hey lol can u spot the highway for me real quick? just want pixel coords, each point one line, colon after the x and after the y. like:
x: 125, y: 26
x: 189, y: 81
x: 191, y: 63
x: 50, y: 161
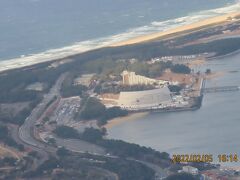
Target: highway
x: 26, y: 135
x: 26, y: 131
x: 160, y: 173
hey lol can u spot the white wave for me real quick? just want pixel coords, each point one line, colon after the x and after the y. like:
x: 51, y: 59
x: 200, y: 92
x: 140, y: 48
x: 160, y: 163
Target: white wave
x: 79, y: 47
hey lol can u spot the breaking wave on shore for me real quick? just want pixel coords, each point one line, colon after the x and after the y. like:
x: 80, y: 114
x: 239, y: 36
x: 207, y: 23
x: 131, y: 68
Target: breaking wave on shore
x: 79, y: 47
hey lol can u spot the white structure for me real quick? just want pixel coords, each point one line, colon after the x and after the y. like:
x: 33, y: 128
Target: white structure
x: 84, y: 79
x: 149, y: 99
x: 190, y: 170
x: 130, y: 78
x: 36, y: 87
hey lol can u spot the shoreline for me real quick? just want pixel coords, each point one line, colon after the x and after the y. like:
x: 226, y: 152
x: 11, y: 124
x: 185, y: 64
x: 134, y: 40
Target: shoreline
x: 131, y: 117
x: 223, y: 56
x: 140, y: 114
x: 181, y: 29
x: 44, y: 58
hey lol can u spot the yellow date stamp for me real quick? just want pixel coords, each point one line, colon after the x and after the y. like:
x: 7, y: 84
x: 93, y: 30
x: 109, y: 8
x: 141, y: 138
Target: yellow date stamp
x: 190, y: 158
x: 205, y: 158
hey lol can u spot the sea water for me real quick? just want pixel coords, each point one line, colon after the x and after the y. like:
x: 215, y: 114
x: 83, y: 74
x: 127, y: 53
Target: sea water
x: 39, y: 30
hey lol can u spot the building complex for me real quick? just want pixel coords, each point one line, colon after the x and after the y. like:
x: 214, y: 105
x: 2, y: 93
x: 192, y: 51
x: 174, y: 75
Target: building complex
x: 130, y: 78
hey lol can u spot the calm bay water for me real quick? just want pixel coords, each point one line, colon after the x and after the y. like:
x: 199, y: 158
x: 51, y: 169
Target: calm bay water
x: 213, y: 129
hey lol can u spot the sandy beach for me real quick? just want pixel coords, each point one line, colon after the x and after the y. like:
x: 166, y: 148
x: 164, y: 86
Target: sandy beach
x: 130, y: 117
x: 66, y: 52
x: 190, y: 27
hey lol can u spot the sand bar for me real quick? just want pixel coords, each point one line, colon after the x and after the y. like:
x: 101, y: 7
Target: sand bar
x: 193, y: 26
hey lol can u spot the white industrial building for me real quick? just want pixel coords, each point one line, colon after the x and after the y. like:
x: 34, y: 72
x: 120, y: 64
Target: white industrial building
x: 140, y: 100
x: 130, y: 78
x: 148, y: 99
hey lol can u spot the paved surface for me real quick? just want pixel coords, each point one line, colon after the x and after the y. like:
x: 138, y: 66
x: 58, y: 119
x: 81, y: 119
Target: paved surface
x: 43, y: 154
x: 108, y: 174
x: 76, y: 145
x: 25, y: 134
x: 26, y: 131
x: 160, y: 173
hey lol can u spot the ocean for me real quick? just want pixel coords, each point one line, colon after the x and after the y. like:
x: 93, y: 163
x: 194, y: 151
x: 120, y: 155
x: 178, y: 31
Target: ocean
x: 40, y: 30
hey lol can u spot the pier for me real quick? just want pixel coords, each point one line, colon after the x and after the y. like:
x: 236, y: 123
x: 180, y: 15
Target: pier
x: 220, y: 89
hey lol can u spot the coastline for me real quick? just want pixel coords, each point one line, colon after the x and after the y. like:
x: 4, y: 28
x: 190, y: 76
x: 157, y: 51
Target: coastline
x: 223, y: 56
x: 207, y: 116
x: 130, y: 117
x: 181, y: 29
x: 43, y: 58
x: 140, y: 114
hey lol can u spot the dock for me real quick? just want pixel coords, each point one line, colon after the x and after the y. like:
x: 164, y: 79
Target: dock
x: 221, y: 89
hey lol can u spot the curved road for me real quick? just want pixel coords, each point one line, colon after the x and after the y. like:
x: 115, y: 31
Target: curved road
x: 26, y: 135
x: 26, y: 131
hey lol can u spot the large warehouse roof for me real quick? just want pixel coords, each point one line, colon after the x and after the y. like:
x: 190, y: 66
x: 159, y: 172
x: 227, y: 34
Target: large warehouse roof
x: 148, y: 98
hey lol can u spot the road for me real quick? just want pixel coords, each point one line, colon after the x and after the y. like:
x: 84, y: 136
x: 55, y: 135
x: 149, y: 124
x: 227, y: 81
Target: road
x: 108, y: 174
x: 80, y: 146
x: 26, y: 135
x: 26, y: 131
x: 160, y: 173
x: 43, y: 154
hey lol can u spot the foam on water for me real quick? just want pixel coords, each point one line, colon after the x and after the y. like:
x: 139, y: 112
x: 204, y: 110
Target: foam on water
x: 79, y: 47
